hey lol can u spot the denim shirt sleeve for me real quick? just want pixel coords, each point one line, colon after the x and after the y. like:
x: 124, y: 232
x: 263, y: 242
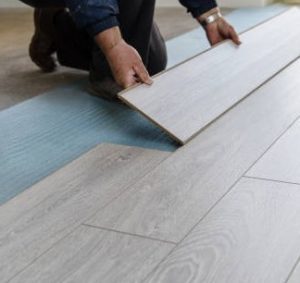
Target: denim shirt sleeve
x: 198, y: 7
x: 94, y: 15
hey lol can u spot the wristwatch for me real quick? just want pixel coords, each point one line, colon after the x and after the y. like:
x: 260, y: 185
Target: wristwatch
x: 210, y: 19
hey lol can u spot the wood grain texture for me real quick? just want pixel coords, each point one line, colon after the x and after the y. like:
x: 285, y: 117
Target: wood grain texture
x: 186, y: 98
x: 171, y: 199
x: 91, y: 255
x: 251, y: 236
x: 36, y: 219
x: 282, y: 161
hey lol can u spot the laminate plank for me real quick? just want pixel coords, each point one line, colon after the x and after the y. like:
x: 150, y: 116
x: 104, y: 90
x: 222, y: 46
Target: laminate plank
x: 172, y: 198
x: 91, y: 255
x: 187, y: 98
x: 36, y: 219
x: 251, y: 236
x: 281, y: 162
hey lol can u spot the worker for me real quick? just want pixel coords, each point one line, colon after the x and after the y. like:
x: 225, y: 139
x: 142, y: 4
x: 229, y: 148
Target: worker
x: 117, y: 41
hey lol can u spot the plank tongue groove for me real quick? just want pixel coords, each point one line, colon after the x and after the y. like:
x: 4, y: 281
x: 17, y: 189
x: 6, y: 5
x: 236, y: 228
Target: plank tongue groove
x: 188, y: 97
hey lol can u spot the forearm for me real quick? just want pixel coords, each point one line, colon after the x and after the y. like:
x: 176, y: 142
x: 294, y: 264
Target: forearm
x: 108, y: 39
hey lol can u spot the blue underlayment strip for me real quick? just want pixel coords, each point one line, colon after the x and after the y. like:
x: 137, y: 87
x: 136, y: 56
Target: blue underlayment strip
x: 41, y: 135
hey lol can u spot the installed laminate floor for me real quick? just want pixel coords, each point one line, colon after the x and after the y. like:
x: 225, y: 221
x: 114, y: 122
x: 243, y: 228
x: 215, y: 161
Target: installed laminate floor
x: 253, y: 235
x: 92, y: 255
x: 206, y: 86
x: 44, y: 214
x: 170, y: 200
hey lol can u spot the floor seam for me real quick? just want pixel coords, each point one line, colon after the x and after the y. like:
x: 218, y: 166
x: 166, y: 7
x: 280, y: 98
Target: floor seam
x: 128, y: 234
x: 271, y: 180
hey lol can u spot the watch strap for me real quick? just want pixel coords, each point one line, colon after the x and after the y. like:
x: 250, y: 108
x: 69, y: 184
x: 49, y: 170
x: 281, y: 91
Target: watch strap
x: 211, y: 19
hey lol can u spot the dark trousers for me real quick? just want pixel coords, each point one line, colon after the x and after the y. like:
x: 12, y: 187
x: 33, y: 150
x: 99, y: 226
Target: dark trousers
x: 76, y: 49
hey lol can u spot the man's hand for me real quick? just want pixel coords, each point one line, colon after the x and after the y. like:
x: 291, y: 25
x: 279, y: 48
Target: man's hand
x: 125, y: 62
x: 219, y: 30
x: 127, y: 66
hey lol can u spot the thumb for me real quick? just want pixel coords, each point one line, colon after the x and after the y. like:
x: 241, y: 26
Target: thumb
x: 142, y: 73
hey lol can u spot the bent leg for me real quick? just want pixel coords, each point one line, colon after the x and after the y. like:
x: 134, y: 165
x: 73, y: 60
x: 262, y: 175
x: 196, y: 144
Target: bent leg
x: 73, y: 46
x: 55, y: 31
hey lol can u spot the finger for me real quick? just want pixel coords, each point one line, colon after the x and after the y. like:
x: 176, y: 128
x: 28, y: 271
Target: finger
x: 142, y: 73
x: 129, y: 79
x: 234, y: 36
x: 215, y: 38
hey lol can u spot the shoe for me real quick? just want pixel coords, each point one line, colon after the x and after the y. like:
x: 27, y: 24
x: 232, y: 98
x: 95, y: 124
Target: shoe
x: 42, y: 46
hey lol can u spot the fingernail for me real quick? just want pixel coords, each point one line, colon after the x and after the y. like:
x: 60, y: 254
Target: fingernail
x: 149, y: 82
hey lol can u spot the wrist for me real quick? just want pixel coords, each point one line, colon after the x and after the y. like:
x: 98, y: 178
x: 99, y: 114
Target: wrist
x: 209, y: 17
x: 207, y: 14
x: 109, y: 39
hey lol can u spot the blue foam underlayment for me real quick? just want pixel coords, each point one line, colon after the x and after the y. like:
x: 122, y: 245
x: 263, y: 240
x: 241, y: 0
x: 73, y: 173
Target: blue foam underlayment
x: 41, y: 135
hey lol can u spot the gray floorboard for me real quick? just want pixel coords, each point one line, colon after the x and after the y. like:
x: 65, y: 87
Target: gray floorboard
x: 91, y: 255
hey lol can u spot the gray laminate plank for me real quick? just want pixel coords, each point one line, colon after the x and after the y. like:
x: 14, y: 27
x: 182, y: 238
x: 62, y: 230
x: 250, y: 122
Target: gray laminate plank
x: 91, y: 255
x: 33, y: 221
x: 171, y: 199
x: 186, y: 98
x: 282, y: 161
x: 251, y: 236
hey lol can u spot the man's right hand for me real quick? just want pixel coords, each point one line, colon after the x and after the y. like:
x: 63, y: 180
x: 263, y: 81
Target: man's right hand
x: 125, y: 62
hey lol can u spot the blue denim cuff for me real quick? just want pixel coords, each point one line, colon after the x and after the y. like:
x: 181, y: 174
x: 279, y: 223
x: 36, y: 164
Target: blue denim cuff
x: 102, y: 25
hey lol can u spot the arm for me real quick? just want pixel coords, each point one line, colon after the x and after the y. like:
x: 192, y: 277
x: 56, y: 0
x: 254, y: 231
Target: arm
x: 99, y: 18
x: 217, y: 31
